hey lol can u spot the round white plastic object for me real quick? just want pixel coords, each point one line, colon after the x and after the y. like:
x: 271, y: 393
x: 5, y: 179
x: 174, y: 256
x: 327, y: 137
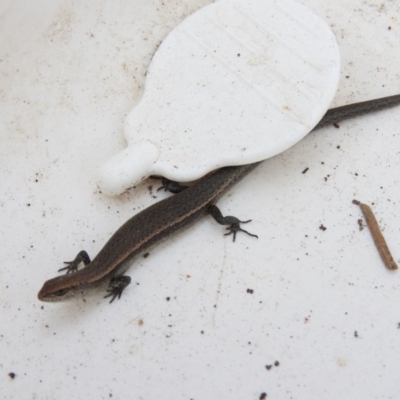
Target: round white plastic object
x: 237, y: 82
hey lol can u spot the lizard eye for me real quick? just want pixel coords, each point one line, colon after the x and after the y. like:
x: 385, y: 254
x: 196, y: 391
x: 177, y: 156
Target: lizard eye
x: 60, y: 292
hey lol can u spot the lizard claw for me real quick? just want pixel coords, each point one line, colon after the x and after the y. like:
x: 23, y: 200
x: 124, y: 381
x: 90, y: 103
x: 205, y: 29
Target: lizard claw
x: 117, y: 286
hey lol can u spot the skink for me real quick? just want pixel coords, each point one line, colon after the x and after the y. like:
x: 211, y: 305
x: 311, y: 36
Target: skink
x: 167, y: 217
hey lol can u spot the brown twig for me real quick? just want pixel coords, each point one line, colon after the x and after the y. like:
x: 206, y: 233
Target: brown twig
x: 376, y: 233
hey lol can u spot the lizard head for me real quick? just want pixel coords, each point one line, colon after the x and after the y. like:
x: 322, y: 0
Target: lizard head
x: 58, y: 289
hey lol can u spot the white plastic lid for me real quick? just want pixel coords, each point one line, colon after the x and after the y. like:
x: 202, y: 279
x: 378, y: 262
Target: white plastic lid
x: 235, y: 83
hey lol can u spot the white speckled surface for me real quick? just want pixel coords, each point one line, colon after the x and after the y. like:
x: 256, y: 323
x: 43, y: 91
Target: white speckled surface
x: 312, y: 289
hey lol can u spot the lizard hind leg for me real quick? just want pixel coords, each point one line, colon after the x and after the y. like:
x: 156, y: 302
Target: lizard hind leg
x: 233, y: 222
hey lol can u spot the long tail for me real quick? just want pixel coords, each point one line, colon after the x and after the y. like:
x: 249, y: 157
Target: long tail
x: 353, y: 110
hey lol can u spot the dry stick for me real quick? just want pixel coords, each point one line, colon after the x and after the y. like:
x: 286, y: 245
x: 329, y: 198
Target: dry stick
x: 376, y: 233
